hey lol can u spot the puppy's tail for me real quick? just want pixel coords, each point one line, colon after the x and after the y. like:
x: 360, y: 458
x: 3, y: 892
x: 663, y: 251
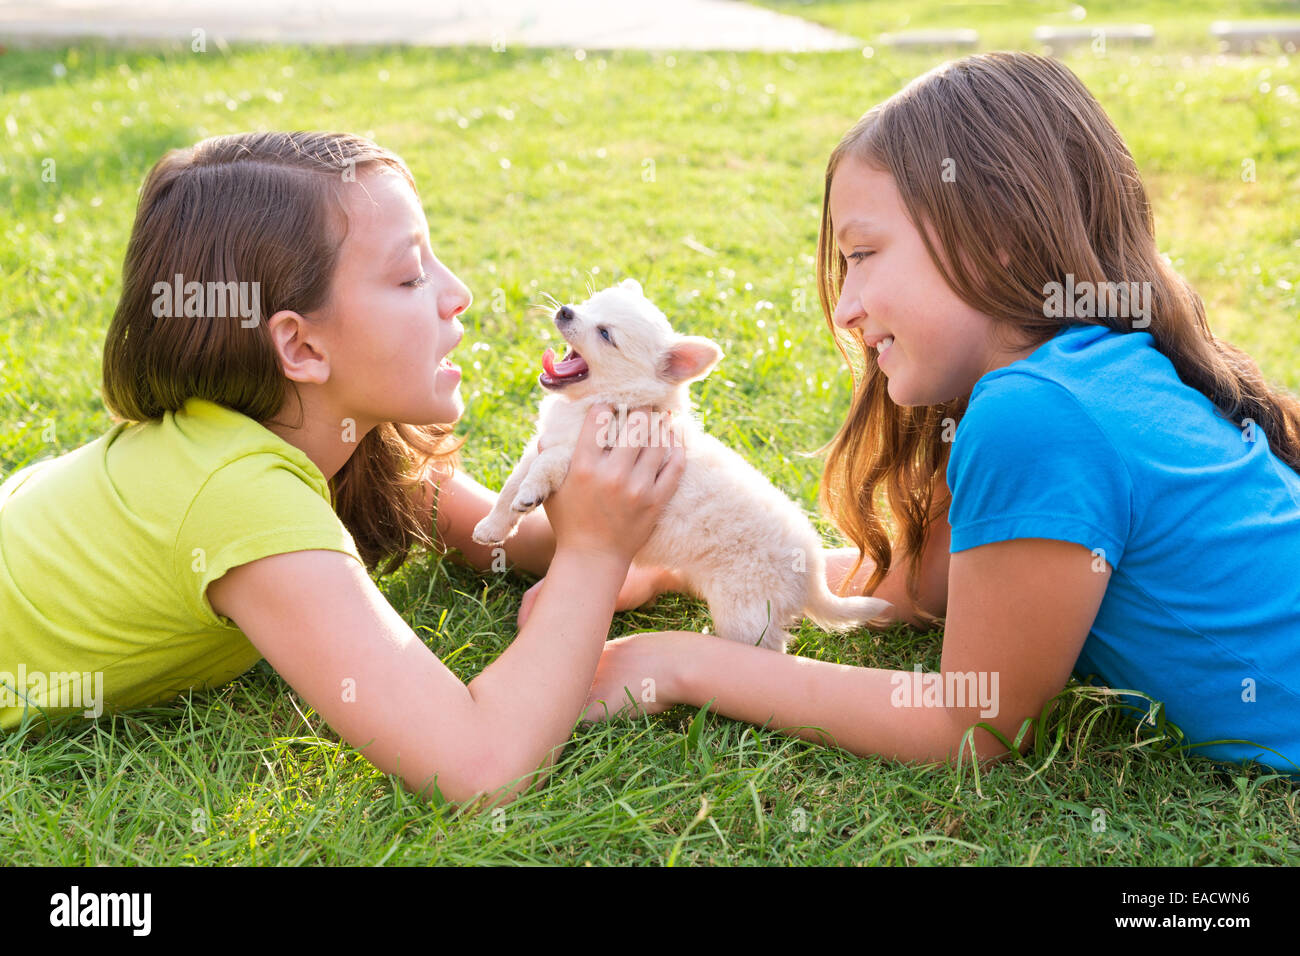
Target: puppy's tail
x: 833, y: 613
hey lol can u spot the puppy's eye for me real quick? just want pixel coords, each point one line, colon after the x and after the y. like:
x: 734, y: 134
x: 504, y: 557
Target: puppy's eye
x: 604, y: 334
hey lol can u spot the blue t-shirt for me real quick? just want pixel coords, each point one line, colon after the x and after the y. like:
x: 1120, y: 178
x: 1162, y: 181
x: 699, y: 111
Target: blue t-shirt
x: 1093, y: 438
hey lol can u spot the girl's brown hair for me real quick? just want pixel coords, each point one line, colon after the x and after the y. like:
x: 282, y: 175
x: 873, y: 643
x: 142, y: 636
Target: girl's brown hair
x: 265, y: 208
x: 1039, y: 185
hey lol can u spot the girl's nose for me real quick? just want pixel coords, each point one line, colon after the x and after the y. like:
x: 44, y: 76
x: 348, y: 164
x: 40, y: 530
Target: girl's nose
x: 848, y: 310
x: 454, y: 298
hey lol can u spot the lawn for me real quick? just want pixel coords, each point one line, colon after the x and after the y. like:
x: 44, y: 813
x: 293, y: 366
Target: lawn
x: 552, y: 173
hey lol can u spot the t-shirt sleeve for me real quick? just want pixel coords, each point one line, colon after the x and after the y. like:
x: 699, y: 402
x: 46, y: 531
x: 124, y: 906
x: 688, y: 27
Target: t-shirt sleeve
x: 253, y: 507
x: 1028, y: 461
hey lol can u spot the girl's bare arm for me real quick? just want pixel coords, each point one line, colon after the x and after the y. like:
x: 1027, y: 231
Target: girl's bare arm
x: 1018, y: 614
x: 324, y: 626
x: 321, y: 622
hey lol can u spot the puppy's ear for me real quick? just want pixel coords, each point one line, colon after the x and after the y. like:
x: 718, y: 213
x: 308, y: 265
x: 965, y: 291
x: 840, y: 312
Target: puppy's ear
x: 688, y: 358
x: 633, y: 285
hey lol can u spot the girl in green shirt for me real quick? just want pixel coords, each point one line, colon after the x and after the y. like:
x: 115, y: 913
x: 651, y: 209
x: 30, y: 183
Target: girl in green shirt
x: 282, y: 338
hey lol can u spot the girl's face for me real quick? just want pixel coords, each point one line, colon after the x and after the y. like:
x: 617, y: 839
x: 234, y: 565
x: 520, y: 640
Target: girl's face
x: 941, y: 346
x: 392, y: 311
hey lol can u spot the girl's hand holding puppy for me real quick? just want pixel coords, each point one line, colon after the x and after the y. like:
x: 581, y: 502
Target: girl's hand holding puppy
x: 612, y: 495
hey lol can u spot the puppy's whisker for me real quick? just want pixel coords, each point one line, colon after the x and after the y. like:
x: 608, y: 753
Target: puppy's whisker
x: 548, y: 306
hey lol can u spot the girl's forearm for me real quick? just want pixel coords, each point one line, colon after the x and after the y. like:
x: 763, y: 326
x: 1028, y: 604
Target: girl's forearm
x: 854, y: 708
x: 530, y: 696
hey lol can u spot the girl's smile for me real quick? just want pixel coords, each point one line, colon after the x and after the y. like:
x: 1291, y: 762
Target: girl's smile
x: 881, y: 344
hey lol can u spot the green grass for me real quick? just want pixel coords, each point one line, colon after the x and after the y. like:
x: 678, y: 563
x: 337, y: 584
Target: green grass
x: 1183, y: 26
x: 738, y: 144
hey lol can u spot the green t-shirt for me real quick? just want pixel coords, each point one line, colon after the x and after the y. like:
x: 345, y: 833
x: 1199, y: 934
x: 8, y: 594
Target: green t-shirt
x: 106, y: 553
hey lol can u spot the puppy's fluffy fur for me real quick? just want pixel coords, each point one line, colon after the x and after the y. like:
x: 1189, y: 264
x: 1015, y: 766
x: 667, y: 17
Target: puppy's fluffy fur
x: 736, y: 540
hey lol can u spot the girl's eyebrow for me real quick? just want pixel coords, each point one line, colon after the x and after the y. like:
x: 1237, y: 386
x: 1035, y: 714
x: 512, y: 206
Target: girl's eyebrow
x: 412, y: 240
x: 865, y: 225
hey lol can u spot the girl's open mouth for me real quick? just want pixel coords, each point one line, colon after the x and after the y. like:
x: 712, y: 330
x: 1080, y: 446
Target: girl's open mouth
x: 572, y: 368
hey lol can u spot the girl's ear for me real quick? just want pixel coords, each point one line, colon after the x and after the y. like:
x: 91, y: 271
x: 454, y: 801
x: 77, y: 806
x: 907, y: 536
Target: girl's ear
x: 633, y: 285
x: 688, y: 358
x: 294, y: 340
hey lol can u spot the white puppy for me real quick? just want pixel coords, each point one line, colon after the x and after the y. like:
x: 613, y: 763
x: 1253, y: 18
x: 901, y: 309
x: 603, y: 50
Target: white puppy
x: 736, y: 541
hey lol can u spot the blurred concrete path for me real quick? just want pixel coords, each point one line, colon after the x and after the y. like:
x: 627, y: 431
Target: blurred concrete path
x: 584, y: 24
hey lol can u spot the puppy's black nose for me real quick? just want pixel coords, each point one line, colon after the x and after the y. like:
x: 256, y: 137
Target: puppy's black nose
x: 564, y: 314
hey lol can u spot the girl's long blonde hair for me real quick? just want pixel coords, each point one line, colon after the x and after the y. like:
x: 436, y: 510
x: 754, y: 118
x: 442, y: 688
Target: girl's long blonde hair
x: 265, y: 208
x: 1037, y: 170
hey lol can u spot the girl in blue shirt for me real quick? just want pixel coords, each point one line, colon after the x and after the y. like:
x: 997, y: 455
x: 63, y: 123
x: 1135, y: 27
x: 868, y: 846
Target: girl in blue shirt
x: 1084, y: 479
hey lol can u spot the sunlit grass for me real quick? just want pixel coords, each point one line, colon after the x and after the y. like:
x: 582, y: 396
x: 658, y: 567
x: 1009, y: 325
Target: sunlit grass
x: 546, y: 174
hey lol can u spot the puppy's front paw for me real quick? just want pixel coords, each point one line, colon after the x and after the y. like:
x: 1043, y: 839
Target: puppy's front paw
x: 530, y: 496
x: 492, y: 530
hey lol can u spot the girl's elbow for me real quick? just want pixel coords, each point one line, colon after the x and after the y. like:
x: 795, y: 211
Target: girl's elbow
x: 496, y: 774
x: 472, y: 789
x: 464, y: 774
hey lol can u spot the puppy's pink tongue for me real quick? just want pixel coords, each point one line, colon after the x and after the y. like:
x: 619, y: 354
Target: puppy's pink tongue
x: 569, y: 366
